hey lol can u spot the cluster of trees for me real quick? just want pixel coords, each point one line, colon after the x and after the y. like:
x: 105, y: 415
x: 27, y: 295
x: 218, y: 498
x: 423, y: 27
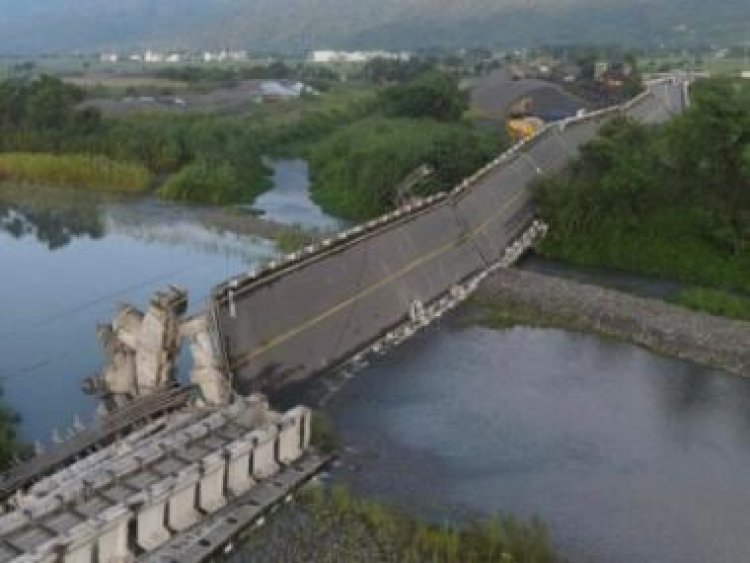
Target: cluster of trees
x: 42, y: 112
x: 671, y: 201
x: 356, y: 171
x: 391, y: 71
x: 432, y: 95
x: 225, y: 75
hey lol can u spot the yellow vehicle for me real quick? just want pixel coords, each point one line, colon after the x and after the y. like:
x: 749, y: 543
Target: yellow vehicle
x: 520, y: 128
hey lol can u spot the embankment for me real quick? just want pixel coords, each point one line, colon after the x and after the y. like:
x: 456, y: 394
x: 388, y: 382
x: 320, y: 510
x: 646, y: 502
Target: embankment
x: 516, y: 297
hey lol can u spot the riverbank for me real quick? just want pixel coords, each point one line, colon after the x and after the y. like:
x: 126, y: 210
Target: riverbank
x: 332, y: 524
x: 513, y: 297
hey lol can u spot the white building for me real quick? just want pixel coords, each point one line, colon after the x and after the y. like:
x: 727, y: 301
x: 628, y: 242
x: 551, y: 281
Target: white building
x: 153, y: 57
x: 355, y: 56
x: 109, y: 57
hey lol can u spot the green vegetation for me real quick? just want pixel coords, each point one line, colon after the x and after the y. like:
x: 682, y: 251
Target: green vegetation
x: 75, y: 171
x: 356, y: 171
x: 207, y: 158
x: 10, y: 446
x: 293, y: 239
x: 324, y: 436
x: 213, y: 183
x: 672, y: 201
x: 433, y: 95
x: 333, y: 525
x: 715, y: 302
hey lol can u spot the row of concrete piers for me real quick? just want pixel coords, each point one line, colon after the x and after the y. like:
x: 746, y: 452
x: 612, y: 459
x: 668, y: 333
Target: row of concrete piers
x: 163, y: 487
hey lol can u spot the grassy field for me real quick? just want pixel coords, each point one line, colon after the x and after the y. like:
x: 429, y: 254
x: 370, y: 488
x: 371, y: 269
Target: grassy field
x: 75, y: 171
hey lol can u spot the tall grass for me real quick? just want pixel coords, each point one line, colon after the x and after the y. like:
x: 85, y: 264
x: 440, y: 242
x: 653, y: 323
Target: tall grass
x: 75, y: 171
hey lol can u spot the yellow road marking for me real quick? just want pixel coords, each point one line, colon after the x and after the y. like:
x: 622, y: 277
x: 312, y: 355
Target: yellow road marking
x: 273, y: 343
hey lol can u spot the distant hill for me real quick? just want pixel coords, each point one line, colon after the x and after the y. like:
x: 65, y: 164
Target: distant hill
x: 28, y: 26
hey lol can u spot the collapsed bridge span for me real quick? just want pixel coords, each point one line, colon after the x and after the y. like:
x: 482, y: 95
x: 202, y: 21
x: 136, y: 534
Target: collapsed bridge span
x: 320, y: 307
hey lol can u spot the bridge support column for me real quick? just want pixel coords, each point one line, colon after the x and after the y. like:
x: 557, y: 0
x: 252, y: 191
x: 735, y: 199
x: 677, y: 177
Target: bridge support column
x: 151, y: 531
x: 264, y: 453
x: 211, y: 487
x: 292, y: 432
x: 79, y: 544
x: 239, y: 479
x: 113, y: 535
x: 183, y: 511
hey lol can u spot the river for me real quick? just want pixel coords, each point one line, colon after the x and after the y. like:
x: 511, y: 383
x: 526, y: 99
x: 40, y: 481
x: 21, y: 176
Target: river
x: 627, y: 456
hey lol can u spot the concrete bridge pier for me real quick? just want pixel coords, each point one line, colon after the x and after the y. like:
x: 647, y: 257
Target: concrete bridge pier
x: 239, y: 466
x: 79, y: 543
x: 264, y: 453
x: 182, y: 505
x: 113, y: 535
x: 151, y: 531
x: 293, y: 435
x: 211, y: 486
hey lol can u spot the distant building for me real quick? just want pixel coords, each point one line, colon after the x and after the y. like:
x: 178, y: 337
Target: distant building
x: 224, y: 55
x: 745, y: 74
x: 275, y: 91
x: 355, y: 56
x: 600, y: 69
x: 174, y: 58
x: 109, y: 57
x: 153, y: 57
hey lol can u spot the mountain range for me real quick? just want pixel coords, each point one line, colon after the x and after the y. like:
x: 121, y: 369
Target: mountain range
x: 34, y: 26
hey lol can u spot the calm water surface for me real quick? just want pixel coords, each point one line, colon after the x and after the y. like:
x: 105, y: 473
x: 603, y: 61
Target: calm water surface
x: 67, y: 261
x: 289, y: 202
x: 625, y: 455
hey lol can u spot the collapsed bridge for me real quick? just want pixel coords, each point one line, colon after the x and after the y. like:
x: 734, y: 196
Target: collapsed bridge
x: 167, y: 476
x: 322, y: 306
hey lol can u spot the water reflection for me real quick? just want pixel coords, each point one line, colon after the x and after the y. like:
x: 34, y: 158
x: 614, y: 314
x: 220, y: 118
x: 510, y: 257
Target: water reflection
x: 53, y: 227
x: 68, y: 259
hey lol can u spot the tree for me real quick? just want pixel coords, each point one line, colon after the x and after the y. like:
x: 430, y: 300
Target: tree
x: 432, y: 95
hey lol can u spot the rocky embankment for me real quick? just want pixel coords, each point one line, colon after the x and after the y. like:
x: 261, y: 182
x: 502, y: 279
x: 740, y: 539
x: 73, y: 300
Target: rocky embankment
x: 518, y: 297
